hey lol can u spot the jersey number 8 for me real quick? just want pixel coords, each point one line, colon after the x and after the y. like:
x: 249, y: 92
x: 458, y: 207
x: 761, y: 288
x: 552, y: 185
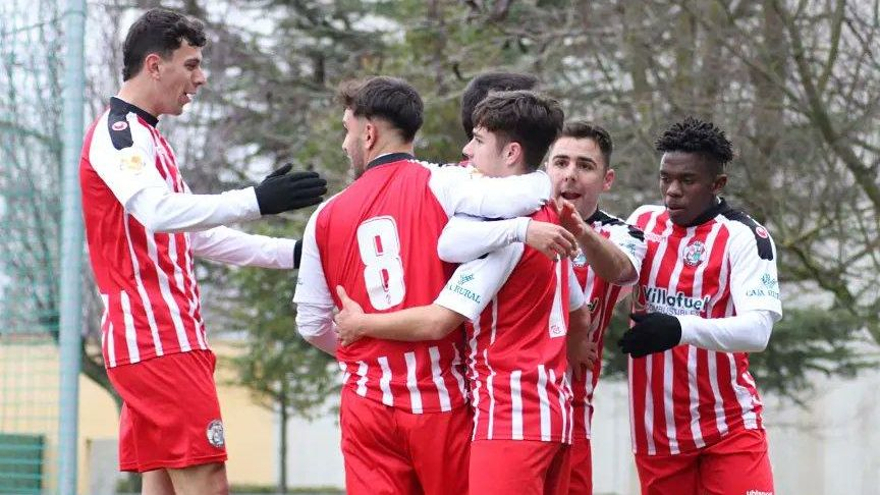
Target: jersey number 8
x: 379, y: 245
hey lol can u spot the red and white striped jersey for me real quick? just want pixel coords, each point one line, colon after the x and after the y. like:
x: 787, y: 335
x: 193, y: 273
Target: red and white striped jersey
x: 687, y: 398
x: 516, y: 345
x: 378, y: 239
x: 146, y: 280
x: 601, y: 297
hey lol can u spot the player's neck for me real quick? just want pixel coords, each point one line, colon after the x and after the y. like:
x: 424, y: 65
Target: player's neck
x: 389, y: 148
x: 133, y: 91
x: 587, y: 212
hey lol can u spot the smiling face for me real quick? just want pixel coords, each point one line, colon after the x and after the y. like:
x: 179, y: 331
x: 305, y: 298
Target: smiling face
x: 179, y: 76
x: 579, y: 173
x: 689, y: 185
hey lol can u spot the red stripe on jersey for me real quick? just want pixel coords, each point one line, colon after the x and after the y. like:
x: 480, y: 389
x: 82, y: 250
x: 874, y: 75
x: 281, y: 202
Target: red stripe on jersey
x: 145, y: 279
x: 394, y: 202
x: 687, y: 398
x: 520, y: 386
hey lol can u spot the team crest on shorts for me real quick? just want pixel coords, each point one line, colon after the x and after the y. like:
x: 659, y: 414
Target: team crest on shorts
x: 215, y: 434
x: 693, y: 253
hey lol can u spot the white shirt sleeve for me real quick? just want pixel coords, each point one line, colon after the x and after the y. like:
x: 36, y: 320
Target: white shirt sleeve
x: 239, y: 248
x: 748, y: 332
x: 466, y: 238
x: 314, y: 303
x: 474, y: 284
x: 753, y: 279
x: 463, y: 190
x: 131, y: 175
x: 631, y: 241
x: 161, y: 210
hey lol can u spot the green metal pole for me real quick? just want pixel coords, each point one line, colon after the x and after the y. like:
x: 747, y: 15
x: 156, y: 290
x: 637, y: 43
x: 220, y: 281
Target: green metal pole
x: 71, y: 248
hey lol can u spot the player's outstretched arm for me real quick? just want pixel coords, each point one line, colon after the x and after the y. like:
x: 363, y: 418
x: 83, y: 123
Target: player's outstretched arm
x: 467, y: 238
x: 657, y: 332
x: 161, y: 210
x: 430, y: 322
x: 608, y: 260
x: 460, y: 190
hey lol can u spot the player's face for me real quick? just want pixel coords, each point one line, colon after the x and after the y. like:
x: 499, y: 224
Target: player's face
x: 578, y: 172
x: 689, y: 186
x: 484, y: 153
x: 181, y: 76
x: 353, y: 144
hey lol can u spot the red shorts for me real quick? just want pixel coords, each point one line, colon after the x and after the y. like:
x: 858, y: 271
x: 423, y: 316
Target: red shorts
x: 581, y: 482
x: 524, y: 467
x: 170, y: 412
x: 392, y: 451
x: 736, y: 465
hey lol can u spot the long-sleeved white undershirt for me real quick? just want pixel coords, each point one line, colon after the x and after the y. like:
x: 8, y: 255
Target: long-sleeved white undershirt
x: 748, y: 332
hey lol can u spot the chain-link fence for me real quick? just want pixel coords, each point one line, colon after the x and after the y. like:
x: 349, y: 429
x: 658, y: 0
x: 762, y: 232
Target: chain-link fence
x: 31, y: 47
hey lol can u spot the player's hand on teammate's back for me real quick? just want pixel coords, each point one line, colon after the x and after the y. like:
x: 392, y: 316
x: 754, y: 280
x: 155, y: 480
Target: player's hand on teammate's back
x: 653, y: 332
x: 570, y: 218
x: 281, y: 191
x: 348, y: 318
x: 552, y: 240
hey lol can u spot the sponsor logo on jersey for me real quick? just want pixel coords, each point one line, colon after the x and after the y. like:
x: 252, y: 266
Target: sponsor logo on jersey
x: 215, y: 434
x: 458, y: 288
x: 694, y: 252
x: 770, y: 287
x: 629, y: 247
x: 661, y: 301
x: 131, y: 161
x: 119, y: 126
x: 556, y: 330
x: 762, y: 232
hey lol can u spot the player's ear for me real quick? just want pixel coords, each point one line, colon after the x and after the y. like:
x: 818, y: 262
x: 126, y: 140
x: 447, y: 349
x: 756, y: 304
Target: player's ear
x: 151, y: 65
x: 513, y: 151
x: 608, y: 180
x: 719, y: 183
x: 371, y: 134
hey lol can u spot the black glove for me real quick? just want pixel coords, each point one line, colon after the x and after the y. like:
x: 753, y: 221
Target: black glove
x: 653, y: 332
x: 281, y: 191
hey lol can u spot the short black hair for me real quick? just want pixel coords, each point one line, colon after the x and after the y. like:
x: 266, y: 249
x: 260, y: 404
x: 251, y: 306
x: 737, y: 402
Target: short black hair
x: 389, y: 98
x: 158, y: 31
x: 584, y: 129
x: 525, y: 117
x: 480, y: 86
x: 693, y: 135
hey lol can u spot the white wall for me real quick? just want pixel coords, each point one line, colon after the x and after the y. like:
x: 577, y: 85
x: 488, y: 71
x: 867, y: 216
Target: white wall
x: 830, y: 448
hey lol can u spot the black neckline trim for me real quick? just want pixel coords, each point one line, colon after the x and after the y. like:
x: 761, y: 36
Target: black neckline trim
x: 597, y: 216
x: 710, y: 213
x: 389, y: 158
x: 120, y: 105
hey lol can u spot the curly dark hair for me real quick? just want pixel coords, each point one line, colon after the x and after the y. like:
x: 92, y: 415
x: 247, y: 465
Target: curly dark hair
x: 697, y: 136
x: 158, y: 31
